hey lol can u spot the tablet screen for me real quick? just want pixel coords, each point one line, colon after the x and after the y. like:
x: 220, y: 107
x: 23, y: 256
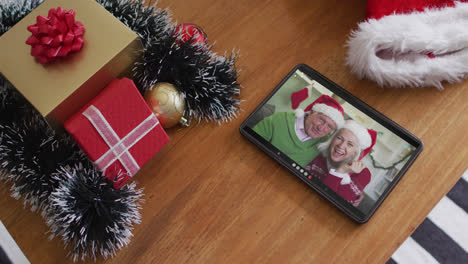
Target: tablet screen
x: 333, y: 141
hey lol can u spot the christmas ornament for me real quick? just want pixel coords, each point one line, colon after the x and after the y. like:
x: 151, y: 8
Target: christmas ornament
x: 411, y: 43
x: 55, y: 35
x: 192, y: 33
x: 166, y: 103
x: 208, y: 82
x: 89, y: 214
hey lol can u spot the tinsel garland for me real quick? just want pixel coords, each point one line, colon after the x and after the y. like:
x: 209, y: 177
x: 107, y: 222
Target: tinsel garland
x: 50, y: 172
x: 393, y: 166
x: 31, y: 153
x: 207, y: 81
x: 13, y: 11
x: 149, y: 22
x: 87, y: 212
x: 13, y: 106
x: 41, y: 167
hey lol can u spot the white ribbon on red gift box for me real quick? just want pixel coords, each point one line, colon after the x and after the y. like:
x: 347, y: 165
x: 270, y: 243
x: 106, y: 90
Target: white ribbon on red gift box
x: 118, y: 148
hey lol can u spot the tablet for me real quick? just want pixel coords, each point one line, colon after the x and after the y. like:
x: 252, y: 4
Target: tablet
x: 335, y: 143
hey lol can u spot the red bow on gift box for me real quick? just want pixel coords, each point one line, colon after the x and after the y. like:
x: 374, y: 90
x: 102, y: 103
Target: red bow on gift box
x: 56, y: 35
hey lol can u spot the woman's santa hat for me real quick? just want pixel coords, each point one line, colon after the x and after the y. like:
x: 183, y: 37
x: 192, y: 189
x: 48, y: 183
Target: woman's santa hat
x: 411, y: 42
x: 366, y: 137
x: 324, y: 104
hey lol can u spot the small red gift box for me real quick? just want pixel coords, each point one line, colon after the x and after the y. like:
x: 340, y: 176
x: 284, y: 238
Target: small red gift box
x: 118, y: 131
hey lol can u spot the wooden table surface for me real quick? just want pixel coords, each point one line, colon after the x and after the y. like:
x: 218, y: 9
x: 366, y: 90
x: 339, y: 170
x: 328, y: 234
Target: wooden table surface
x: 213, y: 197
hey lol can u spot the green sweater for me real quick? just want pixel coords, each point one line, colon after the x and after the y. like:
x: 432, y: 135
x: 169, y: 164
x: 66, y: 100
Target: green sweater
x: 278, y: 129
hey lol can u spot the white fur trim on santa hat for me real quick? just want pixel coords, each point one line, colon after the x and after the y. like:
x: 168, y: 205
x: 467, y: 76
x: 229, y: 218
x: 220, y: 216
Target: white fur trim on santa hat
x: 360, y: 132
x: 299, y: 113
x: 331, y: 112
x: 442, y: 32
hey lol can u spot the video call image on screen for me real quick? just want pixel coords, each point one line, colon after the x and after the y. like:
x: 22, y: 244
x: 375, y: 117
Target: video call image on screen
x: 333, y: 141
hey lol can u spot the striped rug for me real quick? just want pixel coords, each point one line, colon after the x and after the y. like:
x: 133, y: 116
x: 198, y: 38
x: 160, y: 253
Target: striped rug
x: 443, y: 236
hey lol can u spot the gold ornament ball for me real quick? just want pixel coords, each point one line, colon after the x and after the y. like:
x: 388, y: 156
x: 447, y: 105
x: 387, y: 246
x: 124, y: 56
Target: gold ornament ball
x: 166, y: 102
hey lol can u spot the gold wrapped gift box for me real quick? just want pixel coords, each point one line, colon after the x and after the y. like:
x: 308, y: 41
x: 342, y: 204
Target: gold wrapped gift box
x: 61, y: 88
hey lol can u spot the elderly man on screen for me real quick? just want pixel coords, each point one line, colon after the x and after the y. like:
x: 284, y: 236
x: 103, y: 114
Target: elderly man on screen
x: 297, y: 134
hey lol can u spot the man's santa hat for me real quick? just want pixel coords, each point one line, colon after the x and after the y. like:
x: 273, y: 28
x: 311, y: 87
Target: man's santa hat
x: 324, y: 104
x: 366, y: 137
x: 411, y: 42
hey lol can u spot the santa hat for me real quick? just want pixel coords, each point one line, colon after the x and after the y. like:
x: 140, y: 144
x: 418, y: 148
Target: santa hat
x: 366, y: 137
x: 324, y: 104
x: 411, y: 42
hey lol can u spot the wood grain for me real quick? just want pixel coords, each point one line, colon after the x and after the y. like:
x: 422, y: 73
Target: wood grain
x: 212, y: 197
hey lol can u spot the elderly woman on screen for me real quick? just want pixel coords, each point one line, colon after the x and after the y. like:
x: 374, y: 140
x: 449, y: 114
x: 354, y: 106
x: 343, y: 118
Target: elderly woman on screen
x: 339, y: 166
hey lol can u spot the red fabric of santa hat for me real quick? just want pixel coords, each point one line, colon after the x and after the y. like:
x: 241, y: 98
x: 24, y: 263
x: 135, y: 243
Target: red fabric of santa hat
x: 411, y: 43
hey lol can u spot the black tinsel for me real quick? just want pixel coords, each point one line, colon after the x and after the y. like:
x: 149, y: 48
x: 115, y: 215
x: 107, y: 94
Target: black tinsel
x: 13, y: 106
x: 148, y: 22
x: 13, y: 11
x: 90, y: 215
x: 30, y: 152
x: 207, y: 81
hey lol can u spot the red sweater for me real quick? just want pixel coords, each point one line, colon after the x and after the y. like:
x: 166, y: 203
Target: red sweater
x: 318, y: 168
